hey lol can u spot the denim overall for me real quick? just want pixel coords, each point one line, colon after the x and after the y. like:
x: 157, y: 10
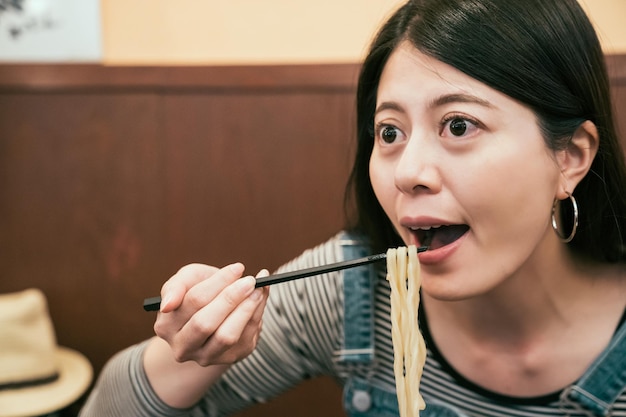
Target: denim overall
x: 593, y: 394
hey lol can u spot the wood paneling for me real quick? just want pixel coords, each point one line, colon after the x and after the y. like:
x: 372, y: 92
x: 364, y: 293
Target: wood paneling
x: 275, y: 78
x: 111, y: 178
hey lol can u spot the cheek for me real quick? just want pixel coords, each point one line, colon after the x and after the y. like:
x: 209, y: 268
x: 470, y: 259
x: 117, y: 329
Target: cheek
x: 515, y: 196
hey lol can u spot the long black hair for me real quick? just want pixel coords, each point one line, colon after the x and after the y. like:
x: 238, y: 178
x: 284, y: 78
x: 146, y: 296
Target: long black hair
x: 543, y: 53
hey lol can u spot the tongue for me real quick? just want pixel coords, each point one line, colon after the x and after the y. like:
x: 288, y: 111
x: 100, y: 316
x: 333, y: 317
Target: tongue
x: 445, y: 235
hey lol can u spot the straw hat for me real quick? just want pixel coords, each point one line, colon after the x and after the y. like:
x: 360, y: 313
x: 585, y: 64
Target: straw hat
x: 36, y: 376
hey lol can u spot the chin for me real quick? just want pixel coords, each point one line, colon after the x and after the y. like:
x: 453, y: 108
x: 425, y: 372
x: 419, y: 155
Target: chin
x: 451, y: 287
x: 443, y: 291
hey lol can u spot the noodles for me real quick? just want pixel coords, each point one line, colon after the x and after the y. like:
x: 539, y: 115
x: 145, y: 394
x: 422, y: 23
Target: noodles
x: 403, y: 274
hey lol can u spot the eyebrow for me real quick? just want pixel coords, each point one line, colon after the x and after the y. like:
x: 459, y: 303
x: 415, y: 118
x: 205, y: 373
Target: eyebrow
x: 459, y: 98
x: 388, y: 105
x: 439, y: 101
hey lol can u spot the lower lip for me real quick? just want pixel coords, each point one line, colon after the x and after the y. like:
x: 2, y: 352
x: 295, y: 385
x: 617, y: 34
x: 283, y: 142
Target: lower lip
x: 438, y: 255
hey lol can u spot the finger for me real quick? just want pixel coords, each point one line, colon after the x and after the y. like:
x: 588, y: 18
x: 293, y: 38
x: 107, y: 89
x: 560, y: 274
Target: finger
x: 245, y: 321
x: 209, y: 318
x: 175, y: 288
x: 237, y: 336
x: 206, y: 291
x: 170, y: 324
x: 265, y: 291
x: 195, y: 285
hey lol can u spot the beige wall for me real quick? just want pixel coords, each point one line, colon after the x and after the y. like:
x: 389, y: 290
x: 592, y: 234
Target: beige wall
x: 271, y: 31
x: 608, y: 18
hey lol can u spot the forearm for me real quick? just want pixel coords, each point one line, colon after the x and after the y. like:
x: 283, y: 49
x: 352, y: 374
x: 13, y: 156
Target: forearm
x: 123, y: 389
x: 179, y: 385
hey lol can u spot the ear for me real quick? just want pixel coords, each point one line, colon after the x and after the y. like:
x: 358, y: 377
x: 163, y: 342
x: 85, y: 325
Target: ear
x: 575, y: 161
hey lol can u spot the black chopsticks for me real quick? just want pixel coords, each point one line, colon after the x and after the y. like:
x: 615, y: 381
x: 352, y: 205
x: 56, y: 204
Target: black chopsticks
x: 154, y: 303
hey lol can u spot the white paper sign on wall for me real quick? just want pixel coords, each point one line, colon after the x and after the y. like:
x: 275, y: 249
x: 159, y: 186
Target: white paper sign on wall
x: 50, y: 31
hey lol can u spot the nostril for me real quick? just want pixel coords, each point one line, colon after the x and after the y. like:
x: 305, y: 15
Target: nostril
x: 418, y: 179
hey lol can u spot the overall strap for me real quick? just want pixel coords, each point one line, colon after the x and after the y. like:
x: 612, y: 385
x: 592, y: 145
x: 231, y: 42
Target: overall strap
x: 358, y: 286
x: 604, y: 381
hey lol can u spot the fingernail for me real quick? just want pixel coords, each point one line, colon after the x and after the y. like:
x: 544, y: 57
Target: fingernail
x: 247, y: 282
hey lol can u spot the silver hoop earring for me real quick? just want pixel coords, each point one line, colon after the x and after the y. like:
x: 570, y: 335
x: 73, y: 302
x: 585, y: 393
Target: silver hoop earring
x: 554, y: 222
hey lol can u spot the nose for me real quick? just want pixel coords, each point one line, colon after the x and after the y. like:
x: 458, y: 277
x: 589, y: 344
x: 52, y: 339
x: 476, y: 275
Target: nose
x: 418, y: 169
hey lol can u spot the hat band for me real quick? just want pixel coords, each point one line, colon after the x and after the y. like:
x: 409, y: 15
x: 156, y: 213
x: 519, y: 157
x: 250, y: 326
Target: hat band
x: 29, y: 383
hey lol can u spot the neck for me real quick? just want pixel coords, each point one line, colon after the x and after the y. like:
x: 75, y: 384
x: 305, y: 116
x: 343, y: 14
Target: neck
x: 523, y: 337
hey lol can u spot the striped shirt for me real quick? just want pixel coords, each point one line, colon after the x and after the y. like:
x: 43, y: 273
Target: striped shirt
x: 302, y: 330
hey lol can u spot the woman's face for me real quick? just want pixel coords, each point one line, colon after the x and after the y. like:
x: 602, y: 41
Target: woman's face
x: 463, y: 166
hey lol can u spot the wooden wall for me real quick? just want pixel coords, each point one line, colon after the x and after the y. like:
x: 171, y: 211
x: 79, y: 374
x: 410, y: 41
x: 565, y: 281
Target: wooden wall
x: 111, y: 178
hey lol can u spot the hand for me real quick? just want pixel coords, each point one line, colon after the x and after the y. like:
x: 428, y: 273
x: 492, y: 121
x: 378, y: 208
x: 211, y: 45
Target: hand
x: 210, y: 315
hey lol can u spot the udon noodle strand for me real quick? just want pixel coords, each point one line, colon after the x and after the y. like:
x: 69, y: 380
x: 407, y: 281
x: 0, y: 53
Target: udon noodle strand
x: 403, y: 274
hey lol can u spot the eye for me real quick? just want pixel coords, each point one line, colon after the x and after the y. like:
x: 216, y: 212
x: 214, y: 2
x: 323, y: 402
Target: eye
x: 459, y: 126
x: 388, y: 133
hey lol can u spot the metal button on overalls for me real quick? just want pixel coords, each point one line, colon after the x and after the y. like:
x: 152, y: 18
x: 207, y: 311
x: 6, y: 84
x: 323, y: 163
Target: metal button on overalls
x: 362, y: 401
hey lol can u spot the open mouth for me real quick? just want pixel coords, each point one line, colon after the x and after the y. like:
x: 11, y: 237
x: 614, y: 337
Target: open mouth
x: 439, y: 236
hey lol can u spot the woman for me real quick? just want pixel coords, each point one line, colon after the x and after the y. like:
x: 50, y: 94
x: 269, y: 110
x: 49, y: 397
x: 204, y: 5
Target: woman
x: 484, y: 130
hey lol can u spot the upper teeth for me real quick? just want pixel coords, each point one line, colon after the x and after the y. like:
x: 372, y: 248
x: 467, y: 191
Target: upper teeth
x: 426, y: 227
